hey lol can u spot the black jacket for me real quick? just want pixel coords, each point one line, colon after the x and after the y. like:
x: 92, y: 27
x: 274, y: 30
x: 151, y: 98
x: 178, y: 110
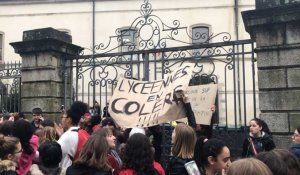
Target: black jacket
x: 85, y: 170
x: 176, y: 166
x: 190, y: 115
x: 263, y: 143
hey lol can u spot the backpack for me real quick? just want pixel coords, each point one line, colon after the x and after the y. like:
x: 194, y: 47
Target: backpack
x: 83, y: 136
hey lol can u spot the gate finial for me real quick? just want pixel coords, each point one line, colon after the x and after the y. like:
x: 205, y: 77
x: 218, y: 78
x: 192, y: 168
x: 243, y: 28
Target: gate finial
x: 146, y: 8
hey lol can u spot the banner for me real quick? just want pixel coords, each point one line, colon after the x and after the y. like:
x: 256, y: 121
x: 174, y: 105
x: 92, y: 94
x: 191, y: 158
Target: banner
x: 143, y: 104
x: 202, y: 97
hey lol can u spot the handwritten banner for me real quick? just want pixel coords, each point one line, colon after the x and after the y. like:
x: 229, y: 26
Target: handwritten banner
x: 143, y: 104
x: 202, y: 97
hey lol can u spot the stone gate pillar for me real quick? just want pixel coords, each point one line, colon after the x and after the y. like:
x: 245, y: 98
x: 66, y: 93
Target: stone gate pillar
x: 275, y: 25
x: 44, y: 52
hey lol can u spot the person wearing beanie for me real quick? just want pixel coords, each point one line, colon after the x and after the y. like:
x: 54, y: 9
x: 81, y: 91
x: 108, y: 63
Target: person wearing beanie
x: 137, y: 130
x: 108, y: 123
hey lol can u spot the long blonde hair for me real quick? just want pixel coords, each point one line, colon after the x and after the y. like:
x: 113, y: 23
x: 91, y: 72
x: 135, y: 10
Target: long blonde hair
x: 185, y: 141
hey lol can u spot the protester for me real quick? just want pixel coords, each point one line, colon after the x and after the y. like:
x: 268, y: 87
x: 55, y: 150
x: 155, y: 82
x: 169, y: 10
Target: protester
x: 6, y: 128
x: 47, y: 122
x: 114, y: 159
x: 37, y: 118
x: 139, y: 157
x: 157, y: 140
x: 24, y: 131
x: 47, y: 134
x: 259, y: 139
x: 95, y: 122
x: 50, y: 155
x: 108, y: 122
x: 86, y: 123
x: 71, y: 141
x: 97, y: 108
x: 295, y: 148
x: 10, y: 153
x: 249, y: 166
x: 183, y: 139
x: 211, y: 156
x: 92, y: 159
x: 280, y: 162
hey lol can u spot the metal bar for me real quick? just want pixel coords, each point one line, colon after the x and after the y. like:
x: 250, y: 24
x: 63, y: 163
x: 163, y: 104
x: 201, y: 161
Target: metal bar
x: 253, y: 79
x: 244, y: 86
x: 19, y: 96
x: 234, y: 88
x: 94, y: 69
x: 162, y: 65
x: 131, y: 67
x: 146, y: 66
x: 138, y: 67
x: 76, y: 77
x: 169, y: 49
x: 226, y: 100
x: 239, y: 86
x: 64, y: 72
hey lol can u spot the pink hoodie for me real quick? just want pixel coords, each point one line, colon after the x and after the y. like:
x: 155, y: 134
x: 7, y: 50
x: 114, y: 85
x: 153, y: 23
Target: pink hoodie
x: 25, y: 161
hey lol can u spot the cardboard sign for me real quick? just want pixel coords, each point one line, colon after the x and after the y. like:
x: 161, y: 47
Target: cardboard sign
x: 202, y: 97
x: 143, y: 104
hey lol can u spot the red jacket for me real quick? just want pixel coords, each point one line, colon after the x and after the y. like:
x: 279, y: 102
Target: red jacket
x: 156, y: 165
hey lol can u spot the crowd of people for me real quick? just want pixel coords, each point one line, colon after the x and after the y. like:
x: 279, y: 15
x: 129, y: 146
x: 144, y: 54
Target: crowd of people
x: 85, y: 142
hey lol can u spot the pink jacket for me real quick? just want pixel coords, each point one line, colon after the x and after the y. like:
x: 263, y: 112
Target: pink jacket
x: 25, y: 161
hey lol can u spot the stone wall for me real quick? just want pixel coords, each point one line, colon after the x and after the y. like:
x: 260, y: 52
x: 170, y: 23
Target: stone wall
x: 275, y: 25
x: 44, y: 55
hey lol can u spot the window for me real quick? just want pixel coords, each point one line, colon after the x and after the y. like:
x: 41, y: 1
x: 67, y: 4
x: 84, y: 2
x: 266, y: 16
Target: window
x: 1, y: 46
x: 200, y: 34
x: 128, y: 40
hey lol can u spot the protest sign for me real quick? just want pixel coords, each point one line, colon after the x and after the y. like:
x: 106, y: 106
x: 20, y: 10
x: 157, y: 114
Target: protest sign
x: 202, y: 97
x: 143, y: 104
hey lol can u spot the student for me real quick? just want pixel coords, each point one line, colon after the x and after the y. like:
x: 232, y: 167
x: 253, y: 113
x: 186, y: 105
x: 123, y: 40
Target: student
x: 37, y: 118
x: 92, y: 159
x: 10, y: 153
x: 113, y: 158
x: 249, y: 166
x: 259, y: 139
x: 50, y: 155
x: 280, y: 162
x: 71, y: 141
x: 139, y: 157
x: 29, y: 141
x: 183, y: 139
x: 211, y: 156
x: 295, y: 148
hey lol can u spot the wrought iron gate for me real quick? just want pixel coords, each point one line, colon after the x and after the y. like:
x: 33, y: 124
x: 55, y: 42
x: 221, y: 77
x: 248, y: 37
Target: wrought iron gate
x: 149, y: 49
x: 10, y: 87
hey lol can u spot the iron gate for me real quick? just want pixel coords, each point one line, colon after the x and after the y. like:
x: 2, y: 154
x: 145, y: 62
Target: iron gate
x: 10, y: 87
x: 149, y: 49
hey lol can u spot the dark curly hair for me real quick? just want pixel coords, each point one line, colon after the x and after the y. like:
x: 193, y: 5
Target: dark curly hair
x: 76, y: 111
x: 138, y: 155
